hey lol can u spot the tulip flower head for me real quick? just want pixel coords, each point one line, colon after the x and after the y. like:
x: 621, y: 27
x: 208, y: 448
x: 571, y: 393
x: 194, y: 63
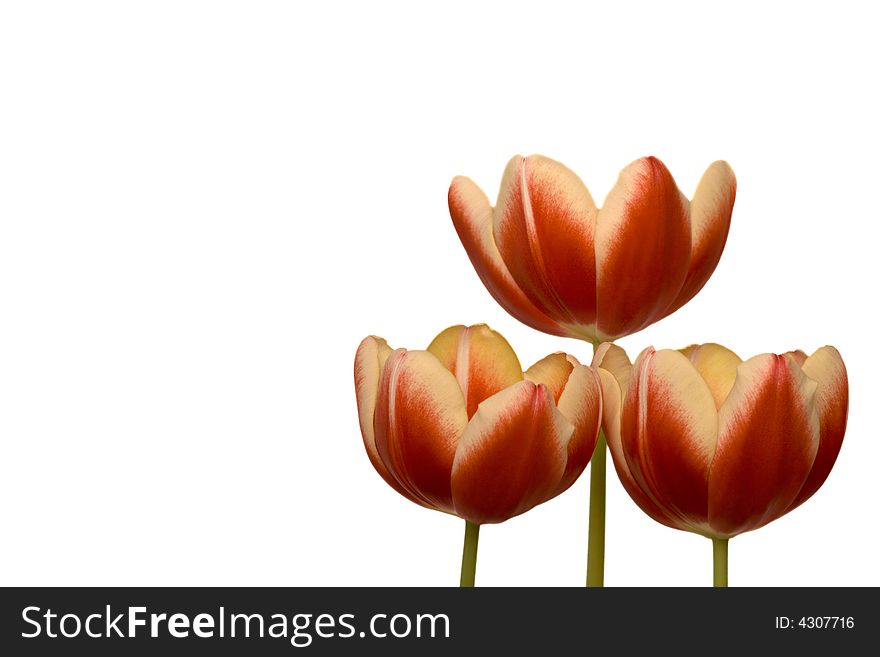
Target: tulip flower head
x: 461, y: 428
x: 707, y: 443
x: 561, y: 265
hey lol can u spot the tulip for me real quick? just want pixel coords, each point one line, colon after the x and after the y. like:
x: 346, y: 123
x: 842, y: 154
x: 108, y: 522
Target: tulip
x: 559, y: 264
x: 556, y: 262
x: 460, y: 428
x: 709, y: 444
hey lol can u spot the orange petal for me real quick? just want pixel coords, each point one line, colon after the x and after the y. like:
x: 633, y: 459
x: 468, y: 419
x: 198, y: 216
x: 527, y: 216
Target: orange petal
x: 613, y: 359
x: 581, y: 404
x: 368, y: 363
x: 643, y: 248
x: 612, y: 398
x: 710, y: 212
x: 481, y: 359
x: 420, y: 416
x: 553, y: 371
x: 717, y: 365
x: 669, y: 426
x: 543, y: 225
x: 799, y: 356
x: 826, y: 368
x: 512, y: 455
x: 768, y: 437
x: 472, y: 216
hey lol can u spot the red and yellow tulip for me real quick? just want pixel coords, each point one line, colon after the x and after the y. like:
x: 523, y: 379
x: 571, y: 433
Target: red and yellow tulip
x: 559, y: 264
x: 461, y: 428
x: 705, y: 442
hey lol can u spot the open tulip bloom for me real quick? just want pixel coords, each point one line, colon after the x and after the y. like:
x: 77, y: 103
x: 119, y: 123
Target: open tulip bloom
x: 558, y: 263
x: 707, y: 443
x: 461, y: 428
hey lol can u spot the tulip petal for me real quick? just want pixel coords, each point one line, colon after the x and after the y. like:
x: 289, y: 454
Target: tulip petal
x: 481, y: 359
x: 512, y: 455
x: 768, y: 437
x: 368, y: 363
x: 612, y: 399
x: 799, y: 356
x: 710, y: 212
x: 581, y: 404
x: 544, y: 226
x: 717, y: 365
x: 553, y: 371
x: 472, y: 216
x: 420, y: 416
x: 612, y: 358
x: 668, y: 430
x: 826, y: 368
x: 643, y: 248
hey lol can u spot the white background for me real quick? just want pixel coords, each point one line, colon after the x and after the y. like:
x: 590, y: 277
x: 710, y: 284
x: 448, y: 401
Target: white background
x: 205, y: 206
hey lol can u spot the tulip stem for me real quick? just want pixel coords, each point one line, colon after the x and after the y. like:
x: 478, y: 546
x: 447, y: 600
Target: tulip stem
x: 719, y: 562
x: 596, y: 540
x: 469, y: 554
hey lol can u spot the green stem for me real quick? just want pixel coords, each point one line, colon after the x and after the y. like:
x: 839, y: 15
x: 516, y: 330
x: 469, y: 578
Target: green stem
x: 596, y: 537
x: 719, y: 562
x: 469, y: 554
x: 596, y: 540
